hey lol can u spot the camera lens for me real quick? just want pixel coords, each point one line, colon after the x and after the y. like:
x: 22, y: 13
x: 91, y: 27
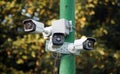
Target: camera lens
x: 88, y: 44
x: 29, y: 26
x: 58, y: 39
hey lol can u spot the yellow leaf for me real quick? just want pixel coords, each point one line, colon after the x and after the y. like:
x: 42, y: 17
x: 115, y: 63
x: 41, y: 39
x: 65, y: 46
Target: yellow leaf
x: 33, y: 54
x: 19, y: 61
x: 2, y: 2
x: 24, y: 57
x: 90, y: 1
x: 112, y: 21
x: 101, y: 52
x: 37, y: 63
x: 102, y: 66
x: 94, y: 66
x: 116, y: 55
x: 105, y: 31
x: 83, y: 36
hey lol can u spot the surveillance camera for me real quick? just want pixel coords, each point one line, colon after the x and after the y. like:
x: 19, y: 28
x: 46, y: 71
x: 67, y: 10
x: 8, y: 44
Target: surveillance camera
x: 79, y: 44
x: 60, y: 29
x: 33, y: 26
x: 84, y: 43
x: 37, y: 27
x: 89, y: 44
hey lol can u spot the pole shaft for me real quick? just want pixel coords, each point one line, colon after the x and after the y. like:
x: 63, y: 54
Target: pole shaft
x: 67, y: 11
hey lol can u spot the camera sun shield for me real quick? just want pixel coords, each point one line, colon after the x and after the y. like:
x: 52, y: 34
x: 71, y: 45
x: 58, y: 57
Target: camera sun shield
x: 61, y: 26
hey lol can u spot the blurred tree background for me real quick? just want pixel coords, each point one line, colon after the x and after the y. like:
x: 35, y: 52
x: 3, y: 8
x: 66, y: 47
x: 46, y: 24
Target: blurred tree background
x: 23, y: 53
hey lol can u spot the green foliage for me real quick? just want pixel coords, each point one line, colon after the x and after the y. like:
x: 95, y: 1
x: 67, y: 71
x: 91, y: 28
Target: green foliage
x: 23, y: 53
x: 100, y: 18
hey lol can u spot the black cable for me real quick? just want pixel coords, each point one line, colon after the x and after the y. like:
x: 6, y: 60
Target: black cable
x: 57, y: 58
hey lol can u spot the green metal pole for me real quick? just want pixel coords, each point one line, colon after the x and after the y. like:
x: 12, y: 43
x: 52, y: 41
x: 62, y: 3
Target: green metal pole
x: 67, y: 11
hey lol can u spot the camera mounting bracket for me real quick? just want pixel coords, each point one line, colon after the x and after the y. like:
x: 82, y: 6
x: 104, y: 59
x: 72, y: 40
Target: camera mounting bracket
x: 64, y: 49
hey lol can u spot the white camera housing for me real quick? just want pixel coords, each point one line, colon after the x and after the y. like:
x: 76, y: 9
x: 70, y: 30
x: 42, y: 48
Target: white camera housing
x: 78, y: 44
x: 60, y: 29
x: 61, y: 26
x: 86, y: 43
x: 33, y: 26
